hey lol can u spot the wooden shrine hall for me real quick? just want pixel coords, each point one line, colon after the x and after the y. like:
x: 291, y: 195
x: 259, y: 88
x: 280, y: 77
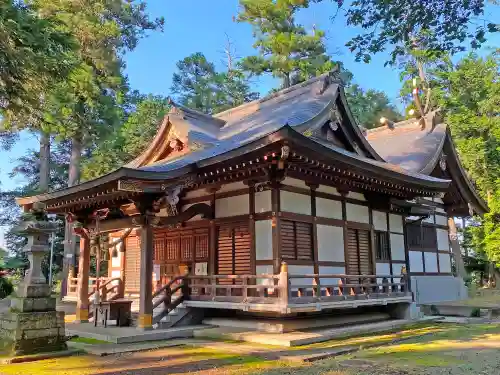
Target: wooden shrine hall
x: 279, y: 206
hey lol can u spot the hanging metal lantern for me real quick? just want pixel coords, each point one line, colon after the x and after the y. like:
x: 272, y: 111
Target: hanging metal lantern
x: 105, y: 255
x: 114, y: 252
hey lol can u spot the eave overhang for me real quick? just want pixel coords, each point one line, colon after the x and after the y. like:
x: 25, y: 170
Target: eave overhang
x: 121, y: 182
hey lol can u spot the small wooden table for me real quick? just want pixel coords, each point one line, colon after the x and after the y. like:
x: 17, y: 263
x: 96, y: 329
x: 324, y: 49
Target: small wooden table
x: 119, y: 310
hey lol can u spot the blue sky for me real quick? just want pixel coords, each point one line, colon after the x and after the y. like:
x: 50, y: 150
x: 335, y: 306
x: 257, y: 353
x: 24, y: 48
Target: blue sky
x: 202, y: 26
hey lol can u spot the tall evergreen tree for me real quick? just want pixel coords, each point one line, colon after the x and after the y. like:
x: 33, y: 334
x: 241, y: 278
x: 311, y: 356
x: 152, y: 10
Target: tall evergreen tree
x: 368, y: 106
x: 286, y: 49
x: 197, y: 85
x: 33, y: 53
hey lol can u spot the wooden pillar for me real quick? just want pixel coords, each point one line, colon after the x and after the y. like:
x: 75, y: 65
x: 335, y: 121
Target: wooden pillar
x: 146, y: 281
x: 276, y: 227
x: 82, y: 304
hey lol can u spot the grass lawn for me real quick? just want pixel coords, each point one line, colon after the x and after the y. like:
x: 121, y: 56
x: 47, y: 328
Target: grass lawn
x: 435, y: 349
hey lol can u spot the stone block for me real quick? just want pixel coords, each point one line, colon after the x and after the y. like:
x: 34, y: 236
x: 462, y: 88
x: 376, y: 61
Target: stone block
x: 39, y: 333
x: 33, y: 290
x: 33, y: 332
x: 21, y: 304
x: 39, y: 320
x: 38, y: 345
x: 44, y: 304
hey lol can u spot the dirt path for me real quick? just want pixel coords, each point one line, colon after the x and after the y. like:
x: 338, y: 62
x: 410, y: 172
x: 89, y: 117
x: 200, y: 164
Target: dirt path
x: 452, y: 350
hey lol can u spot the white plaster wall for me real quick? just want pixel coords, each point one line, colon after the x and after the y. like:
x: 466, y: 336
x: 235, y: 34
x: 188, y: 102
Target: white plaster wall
x: 327, y: 189
x: 357, y: 213
x: 328, y: 208
x: 396, y: 223
x: 300, y: 270
x: 429, y: 219
x: 330, y: 243
x: 444, y: 263
x: 186, y: 206
x: 397, y: 246
x: 396, y: 268
x: 416, y: 264
x: 327, y: 270
x: 295, y: 182
x: 443, y: 242
x: 115, y: 273
x: 379, y: 220
x: 383, y: 268
x: 263, y: 201
x: 232, y: 206
x: 264, y: 270
x: 263, y: 240
x: 430, y: 262
x: 232, y: 186
x: 441, y: 220
x: 297, y: 203
x: 358, y: 196
x: 115, y: 262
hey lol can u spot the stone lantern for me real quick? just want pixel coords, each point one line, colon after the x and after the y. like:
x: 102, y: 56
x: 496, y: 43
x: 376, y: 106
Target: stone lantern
x: 32, y: 324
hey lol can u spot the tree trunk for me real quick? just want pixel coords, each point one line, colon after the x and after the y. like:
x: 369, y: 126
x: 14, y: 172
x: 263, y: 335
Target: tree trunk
x: 455, y: 248
x: 70, y: 240
x: 286, y: 80
x: 74, y: 161
x: 44, y: 162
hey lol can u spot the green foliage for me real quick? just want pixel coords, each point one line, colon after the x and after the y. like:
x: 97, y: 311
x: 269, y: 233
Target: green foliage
x: 128, y: 141
x: 6, y: 287
x: 471, y: 98
x: 33, y: 53
x: 368, y: 106
x: 286, y: 49
x: 198, y: 85
x: 447, y: 24
x: 475, y: 313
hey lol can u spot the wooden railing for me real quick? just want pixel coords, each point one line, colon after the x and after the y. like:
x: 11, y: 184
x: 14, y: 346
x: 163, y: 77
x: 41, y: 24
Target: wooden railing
x: 72, y: 285
x: 170, y: 296
x: 286, y: 288
x: 235, y: 288
x: 111, y: 285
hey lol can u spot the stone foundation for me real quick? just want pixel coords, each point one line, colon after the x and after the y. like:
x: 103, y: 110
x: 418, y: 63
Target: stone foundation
x: 33, y: 332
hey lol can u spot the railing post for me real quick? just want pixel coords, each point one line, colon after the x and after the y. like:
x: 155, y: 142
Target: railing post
x: 283, y: 285
x: 385, y: 285
x: 404, y: 283
x: 245, y: 289
x: 185, y: 286
x: 317, y: 287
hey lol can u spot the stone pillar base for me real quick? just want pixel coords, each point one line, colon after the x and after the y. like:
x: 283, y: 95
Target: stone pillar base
x: 82, y: 315
x: 33, y: 332
x: 145, y: 322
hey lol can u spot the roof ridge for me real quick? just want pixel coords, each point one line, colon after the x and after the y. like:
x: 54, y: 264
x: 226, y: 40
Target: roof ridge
x: 281, y: 92
x: 176, y: 108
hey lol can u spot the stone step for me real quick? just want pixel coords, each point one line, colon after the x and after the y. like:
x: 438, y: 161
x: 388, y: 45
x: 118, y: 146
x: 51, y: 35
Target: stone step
x: 288, y: 325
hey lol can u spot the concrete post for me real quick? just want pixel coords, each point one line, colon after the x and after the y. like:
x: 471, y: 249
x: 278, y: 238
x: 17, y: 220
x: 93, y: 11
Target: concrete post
x: 145, y: 321
x: 82, y: 303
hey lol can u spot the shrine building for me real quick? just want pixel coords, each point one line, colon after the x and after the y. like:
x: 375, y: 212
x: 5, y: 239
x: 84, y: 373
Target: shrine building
x: 278, y: 207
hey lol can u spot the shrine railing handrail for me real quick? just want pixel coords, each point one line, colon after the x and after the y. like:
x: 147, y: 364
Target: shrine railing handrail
x: 286, y: 289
